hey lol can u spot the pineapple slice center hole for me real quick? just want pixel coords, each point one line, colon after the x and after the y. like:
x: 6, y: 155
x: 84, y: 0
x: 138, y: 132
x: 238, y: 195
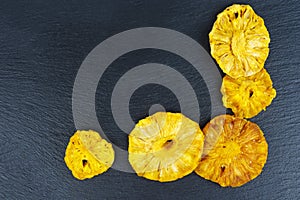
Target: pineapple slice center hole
x: 168, y: 144
x: 84, y: 162
x: 250, y: 93
x: 222, y: 168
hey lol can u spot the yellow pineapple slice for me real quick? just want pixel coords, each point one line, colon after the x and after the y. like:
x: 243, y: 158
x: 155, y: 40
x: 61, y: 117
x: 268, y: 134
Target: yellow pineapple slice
x: 239, y: 41
x: 235, y: 151
x: 247, y: 96
x: 165, y: 146
x: 88, y: 155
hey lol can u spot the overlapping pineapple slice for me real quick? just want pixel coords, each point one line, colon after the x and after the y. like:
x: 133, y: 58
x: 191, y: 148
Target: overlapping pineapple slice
x: 247, y: 96
x: 165, y: 146
x: 239, y: 41
x: 235, y: 151
x: 88, y: 155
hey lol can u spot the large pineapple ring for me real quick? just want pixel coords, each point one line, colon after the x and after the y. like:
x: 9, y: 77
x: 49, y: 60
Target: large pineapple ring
x: 239, y: 41
x: 88, y: 155
x: 235, y: 151
x: 165, y: 146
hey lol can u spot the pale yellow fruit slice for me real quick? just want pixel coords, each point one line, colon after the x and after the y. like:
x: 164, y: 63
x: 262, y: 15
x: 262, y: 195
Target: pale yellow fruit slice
x: 165, y: 146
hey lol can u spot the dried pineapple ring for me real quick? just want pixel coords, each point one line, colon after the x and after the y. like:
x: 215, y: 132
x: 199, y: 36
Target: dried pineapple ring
x: 88, y: 155
x: 235, y: 151
x: 239, y: 41
x: 248, y: 96
x: 165, y: 146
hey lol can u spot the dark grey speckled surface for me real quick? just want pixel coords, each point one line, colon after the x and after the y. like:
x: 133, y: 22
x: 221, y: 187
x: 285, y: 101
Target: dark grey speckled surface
x: 42, y: 45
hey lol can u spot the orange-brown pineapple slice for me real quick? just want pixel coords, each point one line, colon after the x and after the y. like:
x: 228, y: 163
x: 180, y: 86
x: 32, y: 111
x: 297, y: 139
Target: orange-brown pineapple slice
x: 235, y: 151
x: 165, y: 146
x: 239, y: 41
x: 88, y: 155
x: 248, y: 96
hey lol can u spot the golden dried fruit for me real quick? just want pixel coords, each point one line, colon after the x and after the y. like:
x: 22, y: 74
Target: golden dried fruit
x: 248, y: 96
x: 88, y: 155
x: 165, y: 146
x: 239, y: 41
x: 235, y: 151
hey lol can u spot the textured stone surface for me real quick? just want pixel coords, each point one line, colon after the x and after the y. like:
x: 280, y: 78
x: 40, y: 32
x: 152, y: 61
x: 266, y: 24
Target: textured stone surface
x: 42, y: 45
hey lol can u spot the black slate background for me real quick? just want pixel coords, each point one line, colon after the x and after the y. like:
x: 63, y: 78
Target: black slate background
x: 42, y: 45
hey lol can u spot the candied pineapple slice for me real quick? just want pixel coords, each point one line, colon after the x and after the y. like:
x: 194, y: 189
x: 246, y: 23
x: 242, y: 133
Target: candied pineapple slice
x: 88, y: 155
x: 248, y: 96
x: 165, y: 146
x: 235, y: 151
x: 239, y: 41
